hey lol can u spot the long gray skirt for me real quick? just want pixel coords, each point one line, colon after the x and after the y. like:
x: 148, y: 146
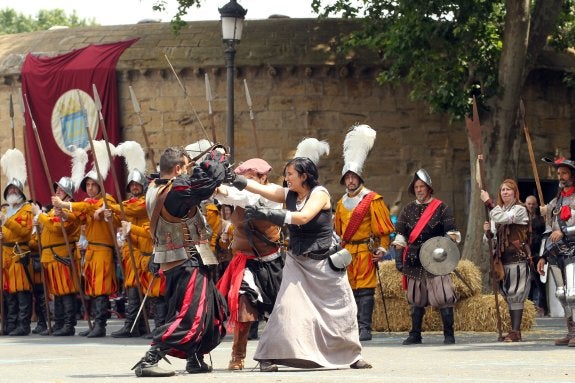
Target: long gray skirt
x: 314, y: 321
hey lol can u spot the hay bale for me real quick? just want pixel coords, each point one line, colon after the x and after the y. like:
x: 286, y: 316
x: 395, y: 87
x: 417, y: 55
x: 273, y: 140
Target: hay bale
x: 391, y: 280
x: 476, y: 313
x: 471, y: 274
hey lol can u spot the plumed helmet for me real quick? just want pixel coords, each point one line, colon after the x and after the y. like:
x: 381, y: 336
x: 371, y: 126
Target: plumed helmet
x: 196, y: 148
x: 101, y: 153
x: 312, y: 148
x: 422, y: 175
x: 135, y: 159
x: 14, y: 168
x: 138, y: 177
x: 356, y: 146
x: 67, y: 185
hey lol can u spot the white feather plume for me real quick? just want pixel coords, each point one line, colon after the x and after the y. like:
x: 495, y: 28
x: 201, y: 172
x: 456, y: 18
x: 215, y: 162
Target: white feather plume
x: 102, y: 157
x: 133, y: 154
x: 357, y: 144
x: 79, y: 161
x: 14, y: 165
x: 197, y: 147
x: 312, y: 148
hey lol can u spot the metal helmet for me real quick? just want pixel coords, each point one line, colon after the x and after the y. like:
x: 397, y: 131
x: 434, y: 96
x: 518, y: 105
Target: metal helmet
x: 356, y: 146
x: 16, y: 183
x: 67, y: 185
x: 136, y: 176
x: 422, y: 175
x: 91, y: 175
x: 560, y: 162
x: 351, y: 167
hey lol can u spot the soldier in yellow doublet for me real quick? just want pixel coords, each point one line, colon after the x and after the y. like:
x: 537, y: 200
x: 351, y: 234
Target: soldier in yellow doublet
x: 99, y: 268
x: 137, y: 215
x: 55, y: 259
x: 363, y: 223
x: 16, y: 233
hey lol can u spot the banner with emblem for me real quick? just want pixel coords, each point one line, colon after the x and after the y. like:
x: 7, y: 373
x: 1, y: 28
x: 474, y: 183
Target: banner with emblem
x: 52, y: 86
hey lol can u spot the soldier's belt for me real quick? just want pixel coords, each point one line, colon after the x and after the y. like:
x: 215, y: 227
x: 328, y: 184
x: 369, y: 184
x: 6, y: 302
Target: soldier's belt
x: 359, y: 242
x: 53, y: 246
x: 101, y: 244
x: 146, y: 254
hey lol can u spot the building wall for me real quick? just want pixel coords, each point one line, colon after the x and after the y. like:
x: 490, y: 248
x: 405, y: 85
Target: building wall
x: 300, y: 88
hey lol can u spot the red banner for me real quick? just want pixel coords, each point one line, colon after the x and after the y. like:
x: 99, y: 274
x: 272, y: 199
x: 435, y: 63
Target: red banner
x: 59, y: 90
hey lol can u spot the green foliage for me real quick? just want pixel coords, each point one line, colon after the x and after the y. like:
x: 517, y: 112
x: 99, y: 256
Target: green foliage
x: 177, y: 21
x: 14, y: 22
x: 446, y: 50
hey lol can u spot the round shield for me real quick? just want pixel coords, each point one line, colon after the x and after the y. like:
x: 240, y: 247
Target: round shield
x: 439, y: 255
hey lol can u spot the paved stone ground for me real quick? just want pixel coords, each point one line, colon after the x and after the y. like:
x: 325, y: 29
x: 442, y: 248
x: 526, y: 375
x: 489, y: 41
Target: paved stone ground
x: 476, y: 357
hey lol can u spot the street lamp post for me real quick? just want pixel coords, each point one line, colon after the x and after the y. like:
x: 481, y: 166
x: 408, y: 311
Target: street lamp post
x: 232, y: 15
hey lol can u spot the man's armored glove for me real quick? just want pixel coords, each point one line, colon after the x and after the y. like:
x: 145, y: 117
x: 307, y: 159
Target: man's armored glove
x: 275, y: 216
x: 215, y: 165
x: 236, y: 180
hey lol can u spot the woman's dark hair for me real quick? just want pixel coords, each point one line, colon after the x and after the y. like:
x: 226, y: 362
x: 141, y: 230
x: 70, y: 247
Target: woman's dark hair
x: 304, y: 165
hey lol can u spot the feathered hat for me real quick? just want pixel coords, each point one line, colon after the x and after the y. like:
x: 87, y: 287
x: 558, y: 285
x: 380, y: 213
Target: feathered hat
x: 101, y: 154
x: 356, y: 146
x: 135, y: 161
x: 14, y: 168
x: 70, y: 184
x: 312, y: 148
x: 197, y: 148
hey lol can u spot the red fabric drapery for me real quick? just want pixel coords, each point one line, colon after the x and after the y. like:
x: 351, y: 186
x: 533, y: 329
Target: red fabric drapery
x: 52, y: 86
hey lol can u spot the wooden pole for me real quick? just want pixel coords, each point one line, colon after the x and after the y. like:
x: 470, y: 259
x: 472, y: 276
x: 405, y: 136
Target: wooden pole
x: 73, y: 270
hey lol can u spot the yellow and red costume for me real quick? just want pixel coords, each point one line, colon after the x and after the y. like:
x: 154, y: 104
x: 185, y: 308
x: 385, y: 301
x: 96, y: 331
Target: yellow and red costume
x: 55, y: 257
x: 16, y: 231
x: 214, y: 220
x: 376, y: 224
x: 99, y: 269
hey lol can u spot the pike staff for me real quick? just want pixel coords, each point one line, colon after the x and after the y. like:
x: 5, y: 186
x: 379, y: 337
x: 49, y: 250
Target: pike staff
x: 209, y: 99
x: 187, y: 97
x: 73, y: 270
x: 12, y: 122
x: 138, y: 111
x: 101, y: 182
x: 252, y: 118
x: 120, y: 204
x: 36, y: 225
x: 521, y: 118
x: 474, y: 131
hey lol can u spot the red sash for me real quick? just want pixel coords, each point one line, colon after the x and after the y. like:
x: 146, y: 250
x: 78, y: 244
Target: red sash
x: 356, y: 217
x: 423, y: 220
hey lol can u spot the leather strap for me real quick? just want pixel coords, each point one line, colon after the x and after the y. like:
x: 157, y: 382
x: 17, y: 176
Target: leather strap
x: 160, y: 199
x: 357, y: 217
x: 423, y: 220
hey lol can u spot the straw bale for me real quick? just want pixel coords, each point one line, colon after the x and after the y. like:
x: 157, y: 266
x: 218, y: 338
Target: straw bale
x: 476, y: 313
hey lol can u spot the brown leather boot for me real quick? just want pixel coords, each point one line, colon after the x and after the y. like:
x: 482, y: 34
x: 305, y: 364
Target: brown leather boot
x: 570, y: 334
x: 241, y: 332
x: 513, y: 336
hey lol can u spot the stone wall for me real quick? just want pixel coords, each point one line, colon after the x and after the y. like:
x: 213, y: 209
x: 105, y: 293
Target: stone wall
x: 300, y: 88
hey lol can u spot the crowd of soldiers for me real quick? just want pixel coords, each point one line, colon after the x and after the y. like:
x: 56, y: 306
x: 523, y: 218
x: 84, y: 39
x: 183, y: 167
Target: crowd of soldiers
x: 204, y: 244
